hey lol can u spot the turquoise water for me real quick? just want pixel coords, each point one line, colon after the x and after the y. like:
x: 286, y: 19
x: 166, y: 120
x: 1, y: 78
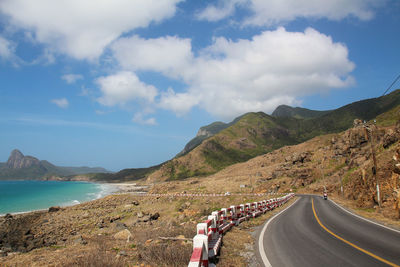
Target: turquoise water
x: 22, y: 196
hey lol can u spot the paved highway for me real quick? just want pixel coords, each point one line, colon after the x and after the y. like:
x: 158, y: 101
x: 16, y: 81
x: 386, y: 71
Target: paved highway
x: 316, y: 232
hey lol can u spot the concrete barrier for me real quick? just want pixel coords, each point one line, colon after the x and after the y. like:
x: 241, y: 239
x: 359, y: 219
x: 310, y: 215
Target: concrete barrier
x: 208, y: 240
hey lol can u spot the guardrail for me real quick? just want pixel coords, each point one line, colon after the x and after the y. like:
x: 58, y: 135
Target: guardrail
x: 145, y: 194
x: 208, y: 240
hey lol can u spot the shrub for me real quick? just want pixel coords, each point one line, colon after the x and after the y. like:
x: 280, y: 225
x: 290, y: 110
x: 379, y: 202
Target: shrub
x: 171, y: 254
x: 98, y: 256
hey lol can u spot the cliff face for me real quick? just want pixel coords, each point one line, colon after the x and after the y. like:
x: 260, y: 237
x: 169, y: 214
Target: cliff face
x: 17, y: 160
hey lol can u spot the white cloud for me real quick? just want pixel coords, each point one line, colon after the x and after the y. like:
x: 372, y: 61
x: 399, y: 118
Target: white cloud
x: 273, y: 12
x: 71, y: 78
x: 85, y: 91
x: 83, y: 28
x: 61, y: 102
x: 180, y: 103
x: 165, y: 54
x: 229, y: 78
x: 223, y: 9
x: 7, y: 48
x: 139, y: 118
x: 123, y: 87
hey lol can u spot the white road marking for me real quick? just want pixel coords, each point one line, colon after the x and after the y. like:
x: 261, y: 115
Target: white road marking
x: 261, y: 239
x: 355, y: 215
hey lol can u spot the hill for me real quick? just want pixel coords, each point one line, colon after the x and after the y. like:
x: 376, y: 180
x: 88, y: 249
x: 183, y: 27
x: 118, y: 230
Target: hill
x: 341, y: 163
x: 203, y: 133
x: 19, y: 166
x: 130, y: 174
x: 254, y: 134
x: 297, y: 112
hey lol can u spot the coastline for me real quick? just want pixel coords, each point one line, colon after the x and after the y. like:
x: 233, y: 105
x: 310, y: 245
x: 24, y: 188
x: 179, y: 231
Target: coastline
x: 106, y: 190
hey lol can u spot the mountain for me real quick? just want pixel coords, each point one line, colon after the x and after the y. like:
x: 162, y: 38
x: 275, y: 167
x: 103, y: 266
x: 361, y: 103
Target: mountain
x: 299, y: 113
x: 254, y: 134
x: 131, y: 174
x: 19, y: 166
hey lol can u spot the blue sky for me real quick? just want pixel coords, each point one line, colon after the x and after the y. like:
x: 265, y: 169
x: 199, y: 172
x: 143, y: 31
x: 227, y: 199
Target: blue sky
x: 124, y: 84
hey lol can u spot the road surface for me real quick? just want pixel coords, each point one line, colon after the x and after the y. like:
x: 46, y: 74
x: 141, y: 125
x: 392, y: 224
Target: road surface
x: 316, y: 232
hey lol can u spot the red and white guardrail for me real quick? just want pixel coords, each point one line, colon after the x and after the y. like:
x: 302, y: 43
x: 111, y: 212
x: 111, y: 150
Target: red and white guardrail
x: 145, y: 194
x: 207, y: 242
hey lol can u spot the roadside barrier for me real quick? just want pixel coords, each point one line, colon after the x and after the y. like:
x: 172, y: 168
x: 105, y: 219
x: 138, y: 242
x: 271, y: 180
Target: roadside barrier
x: 145, y: 194
x: 208, y: 240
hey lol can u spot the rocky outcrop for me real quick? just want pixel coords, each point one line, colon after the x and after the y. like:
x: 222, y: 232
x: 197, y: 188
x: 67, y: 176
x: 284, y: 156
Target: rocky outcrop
x: 17, y: 160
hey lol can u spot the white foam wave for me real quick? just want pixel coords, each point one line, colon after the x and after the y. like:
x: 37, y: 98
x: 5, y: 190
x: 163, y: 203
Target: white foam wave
x: 103, y: 190
x: 70, y: 203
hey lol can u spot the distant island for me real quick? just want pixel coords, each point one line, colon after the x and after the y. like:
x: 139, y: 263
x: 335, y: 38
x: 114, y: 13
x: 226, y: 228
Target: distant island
x: 20, y: 167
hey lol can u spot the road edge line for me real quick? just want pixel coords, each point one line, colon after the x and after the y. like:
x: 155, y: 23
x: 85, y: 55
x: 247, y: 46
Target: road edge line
x: 369, y: 253
x: 365, y: 219
x: 264, y: 257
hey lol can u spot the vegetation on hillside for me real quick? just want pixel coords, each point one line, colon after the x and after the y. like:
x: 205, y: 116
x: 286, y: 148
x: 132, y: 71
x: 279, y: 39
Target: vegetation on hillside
x: 297, y: 112
x: 124, y: 175
x: 258, y: 133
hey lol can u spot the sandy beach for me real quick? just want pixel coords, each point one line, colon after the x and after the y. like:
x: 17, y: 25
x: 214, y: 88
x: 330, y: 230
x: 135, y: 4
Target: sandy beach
x: 129, y: 187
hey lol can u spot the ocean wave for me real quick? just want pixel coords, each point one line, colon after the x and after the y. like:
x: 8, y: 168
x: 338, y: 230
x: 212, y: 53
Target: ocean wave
x: 70, y: 203
x: 103, y: 190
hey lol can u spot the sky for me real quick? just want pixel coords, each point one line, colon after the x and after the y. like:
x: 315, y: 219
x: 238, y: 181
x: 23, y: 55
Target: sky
x: 127, y: 83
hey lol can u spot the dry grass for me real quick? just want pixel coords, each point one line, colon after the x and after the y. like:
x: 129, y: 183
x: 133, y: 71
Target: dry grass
x: 172, y: 254
x: 98, y: 256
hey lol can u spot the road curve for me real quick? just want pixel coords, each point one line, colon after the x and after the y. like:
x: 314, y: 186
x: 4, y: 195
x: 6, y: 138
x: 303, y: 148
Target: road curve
x: 316, y: 232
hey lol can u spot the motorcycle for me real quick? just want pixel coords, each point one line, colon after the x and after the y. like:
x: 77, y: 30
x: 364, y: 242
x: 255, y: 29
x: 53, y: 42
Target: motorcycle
x: 325, y: 196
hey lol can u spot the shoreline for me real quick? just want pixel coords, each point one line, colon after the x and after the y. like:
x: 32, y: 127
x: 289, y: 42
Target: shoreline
x: 113, y: 188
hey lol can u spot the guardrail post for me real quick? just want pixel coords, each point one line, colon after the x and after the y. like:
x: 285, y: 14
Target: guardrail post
x: 202, y: 229
x: 233, y: 215
x: 213, y: 225
x: 200, y: 251
x: 242, y: 210
x: 224, y: 215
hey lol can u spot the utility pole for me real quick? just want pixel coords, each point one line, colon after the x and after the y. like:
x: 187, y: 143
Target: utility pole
x: 341, y: 186
x: 340, y: 179
x: 374, y: 168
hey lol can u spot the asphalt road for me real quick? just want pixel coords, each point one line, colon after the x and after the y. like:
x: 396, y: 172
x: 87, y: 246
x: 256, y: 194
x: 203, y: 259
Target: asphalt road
x: 297, y: 238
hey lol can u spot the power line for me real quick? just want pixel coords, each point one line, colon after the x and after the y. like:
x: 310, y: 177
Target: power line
x: 395, y: 80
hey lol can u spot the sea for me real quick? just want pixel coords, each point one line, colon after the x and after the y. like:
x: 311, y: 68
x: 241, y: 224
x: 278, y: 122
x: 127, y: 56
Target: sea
x: 24, y: 196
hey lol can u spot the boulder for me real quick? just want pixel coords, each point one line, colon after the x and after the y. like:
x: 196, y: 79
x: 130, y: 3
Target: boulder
x: 54, y: 209
x: 80, y: 240
x: 154, y: 216
x: 119, y: 226
x: 390, y: 138
x: 113, y: 219
x: 123, y: 235
x: 145, y: 218
x: 122, y: 253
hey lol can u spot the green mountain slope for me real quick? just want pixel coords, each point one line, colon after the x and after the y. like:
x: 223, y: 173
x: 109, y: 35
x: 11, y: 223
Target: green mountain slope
x: 299, y: 113
x: 124, y: 175
x: 257, y: 133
